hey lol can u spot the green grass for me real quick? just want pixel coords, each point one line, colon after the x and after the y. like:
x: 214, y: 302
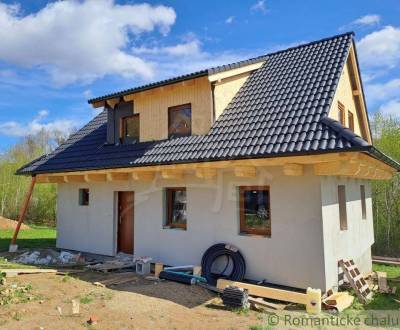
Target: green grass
x: 383, y: 301
x: 37, y: 237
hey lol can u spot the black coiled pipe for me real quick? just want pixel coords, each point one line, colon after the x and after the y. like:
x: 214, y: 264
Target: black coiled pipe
x: 239, y: 266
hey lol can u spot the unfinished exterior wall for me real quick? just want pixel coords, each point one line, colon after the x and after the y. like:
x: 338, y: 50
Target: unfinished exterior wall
x: 225, y: 90
x: 152, y: 105
x: 344, y: 95
x: 353, y: 243
x: 294, y: 248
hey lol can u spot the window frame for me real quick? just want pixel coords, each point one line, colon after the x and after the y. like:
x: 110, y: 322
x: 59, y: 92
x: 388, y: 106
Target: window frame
x: 81, y: 200
x: 243, y: 226
x: 169, y: 208
x: 350, y: 119
x: 363, y: 202
x: 122, y: 130
x: 341, y: 113
x: 342, y: 203
x: 178, y: 108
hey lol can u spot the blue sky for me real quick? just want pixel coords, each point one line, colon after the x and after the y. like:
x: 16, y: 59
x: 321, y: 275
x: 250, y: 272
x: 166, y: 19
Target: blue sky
x: 54, y: 55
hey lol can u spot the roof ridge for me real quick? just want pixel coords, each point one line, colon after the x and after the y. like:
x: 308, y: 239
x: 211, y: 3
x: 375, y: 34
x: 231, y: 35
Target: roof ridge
x: 350, y: 33
x: 212, y: 70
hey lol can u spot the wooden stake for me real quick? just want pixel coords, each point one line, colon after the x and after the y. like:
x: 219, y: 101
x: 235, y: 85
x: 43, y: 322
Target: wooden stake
x: 24, y: 209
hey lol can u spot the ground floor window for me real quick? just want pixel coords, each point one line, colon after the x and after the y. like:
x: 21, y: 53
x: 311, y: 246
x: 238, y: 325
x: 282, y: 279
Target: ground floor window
x: 254, y: 207
x: 83, y: 196
x: 176, y: 207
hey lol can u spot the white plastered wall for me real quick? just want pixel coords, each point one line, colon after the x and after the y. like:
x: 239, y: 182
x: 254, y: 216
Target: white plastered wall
x: 293, y: 255
x: 353, y: 243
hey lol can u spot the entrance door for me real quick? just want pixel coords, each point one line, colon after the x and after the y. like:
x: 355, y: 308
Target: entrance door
x: 125, y: 221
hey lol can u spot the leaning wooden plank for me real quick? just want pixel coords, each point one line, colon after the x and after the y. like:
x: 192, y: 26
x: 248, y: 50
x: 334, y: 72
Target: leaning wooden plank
x: 266, y: 292
x: 382, y: 282
x: 15, y: 272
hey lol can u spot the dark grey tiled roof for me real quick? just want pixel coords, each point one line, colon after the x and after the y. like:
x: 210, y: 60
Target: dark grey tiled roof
x: 281, y: 110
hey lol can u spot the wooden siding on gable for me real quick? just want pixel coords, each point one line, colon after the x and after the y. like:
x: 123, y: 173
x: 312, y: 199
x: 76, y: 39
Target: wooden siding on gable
x: 225, y: 90
x: 345, y: 94
x: 152, y: 105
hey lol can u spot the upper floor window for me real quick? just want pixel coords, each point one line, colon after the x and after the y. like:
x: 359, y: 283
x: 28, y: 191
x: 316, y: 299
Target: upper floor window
x: 350, y: 120
x: 180, y: 121
x: 254, y: 207
x: 130, y: 127
x: 341, y: 114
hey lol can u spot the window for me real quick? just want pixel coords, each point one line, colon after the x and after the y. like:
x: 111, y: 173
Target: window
x: 363, y: 204
x: 176, y: 207
x: 130, y: 127
x: 83, y: 196
x: 254, y: 207
x: 180, y: 121
x: 342, y: 207
x: 341, y: 114
x: 350, y: 119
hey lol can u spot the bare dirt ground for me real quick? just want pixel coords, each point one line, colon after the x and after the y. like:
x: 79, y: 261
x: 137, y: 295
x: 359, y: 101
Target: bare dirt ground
x: 10, y: 224
x: 140, y: 304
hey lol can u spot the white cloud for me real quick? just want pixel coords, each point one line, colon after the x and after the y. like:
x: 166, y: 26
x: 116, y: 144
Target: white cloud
x: 183, y: 49
x: 259, y: 6
x: 367, y: 20
x: 18, y: 129
x: 230, y: 19
x: 80, y: 40
x: 380, y: 48
x: 382, y: 91
x: 391, y: 108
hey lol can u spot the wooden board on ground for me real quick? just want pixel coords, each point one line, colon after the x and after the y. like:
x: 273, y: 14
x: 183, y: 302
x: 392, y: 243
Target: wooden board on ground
x: 263, y: 303
x: 382, y: 282
x: 266, y: 292
x: 338, y: 301
x: 15, y: 272
x: 106, y: 267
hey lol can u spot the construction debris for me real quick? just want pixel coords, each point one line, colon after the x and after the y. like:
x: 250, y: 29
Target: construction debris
x: 93, y: 320
x: 338, y: 301
x: 49, y: 257
x: 75, y: 307
x: 116, y: 279
x: 235, y: 297
x: 121, y: 261
x: 356, y: 280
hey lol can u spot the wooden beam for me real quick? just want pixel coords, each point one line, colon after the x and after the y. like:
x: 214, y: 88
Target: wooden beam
x: 42, y: 179
x: 328, y: 168
x: 143, y: 176
x: 356, y: 92
x: 266, y: 292
x: 206, y: 173
x: 172, y: 174
x: 117, y: 176
x: 23, y: 210
x: 74, y: 178
x: 113, y: 102
x: 99, y: 104
x: 57, y: 179
x: 245, y: 171
x: 96, y: 177
x: 293, y: 169
x: 128, y: 98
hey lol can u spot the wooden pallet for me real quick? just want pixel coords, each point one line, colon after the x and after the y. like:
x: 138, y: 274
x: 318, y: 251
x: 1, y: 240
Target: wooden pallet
x: 356, y: 280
